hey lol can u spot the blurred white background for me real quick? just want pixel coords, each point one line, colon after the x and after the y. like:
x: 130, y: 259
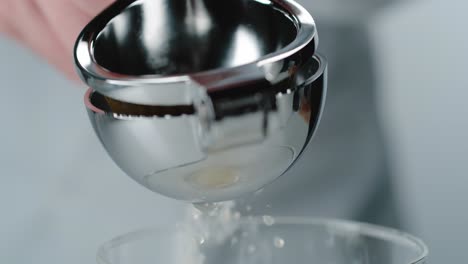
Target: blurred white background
x: 423, y: 88
x: 422, y: 94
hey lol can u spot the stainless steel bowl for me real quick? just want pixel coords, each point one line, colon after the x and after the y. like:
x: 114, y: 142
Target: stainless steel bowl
x: 251, y: 140
x: 165, y: 51
x: 203, y: 100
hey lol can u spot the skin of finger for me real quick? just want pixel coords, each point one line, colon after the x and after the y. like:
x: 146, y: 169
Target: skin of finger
x: 32, y: 30
x: 68, y: 17
x: 6, y: 27
x: 25, y: 22
x: 65, y: 20
x: 92, y: 7
x: 49, y: 27
x: 7, y: 10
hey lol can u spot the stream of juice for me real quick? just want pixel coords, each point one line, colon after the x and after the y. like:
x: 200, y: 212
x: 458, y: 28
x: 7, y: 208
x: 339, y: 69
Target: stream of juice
x: 215, y: 227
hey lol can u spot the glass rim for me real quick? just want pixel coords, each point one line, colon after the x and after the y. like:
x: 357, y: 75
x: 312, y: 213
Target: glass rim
x: 383, y: 233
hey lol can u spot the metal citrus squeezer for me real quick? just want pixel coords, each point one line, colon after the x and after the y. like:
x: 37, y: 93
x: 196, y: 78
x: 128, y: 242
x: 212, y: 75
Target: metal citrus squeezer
x: 203, y: 100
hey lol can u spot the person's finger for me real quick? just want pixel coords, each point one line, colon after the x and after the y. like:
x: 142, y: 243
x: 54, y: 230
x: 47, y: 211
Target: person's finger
x: 66, y: 21
x: 9, y: 10
x: 92, y: 7
x: 34, y: 31
x: 6, y: 27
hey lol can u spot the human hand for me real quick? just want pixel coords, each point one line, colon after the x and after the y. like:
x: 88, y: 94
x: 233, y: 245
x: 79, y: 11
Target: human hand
x: 49, y: 27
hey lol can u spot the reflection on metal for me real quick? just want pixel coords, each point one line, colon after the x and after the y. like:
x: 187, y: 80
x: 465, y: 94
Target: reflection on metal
x: 203, y: 100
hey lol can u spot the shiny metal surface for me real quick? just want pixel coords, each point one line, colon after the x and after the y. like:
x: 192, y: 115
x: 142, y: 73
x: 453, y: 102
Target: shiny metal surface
x: 170, y: 52
x: 248, y: 140
x: 202, y: 100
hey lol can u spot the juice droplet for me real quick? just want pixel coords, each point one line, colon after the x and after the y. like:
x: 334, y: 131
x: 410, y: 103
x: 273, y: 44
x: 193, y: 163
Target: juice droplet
x: 196, y: 215
x: 268, y: 220
x: 278, y: 242
x: 206, y: 208
x: 236, y: 215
